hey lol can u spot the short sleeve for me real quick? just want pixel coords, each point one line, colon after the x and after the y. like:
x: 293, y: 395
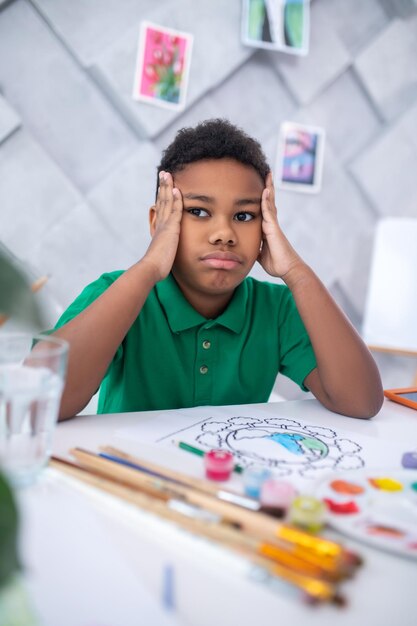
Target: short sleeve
x: 86, y: 297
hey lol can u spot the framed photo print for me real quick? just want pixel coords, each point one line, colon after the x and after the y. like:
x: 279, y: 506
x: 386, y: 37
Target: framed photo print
x: 300, y: 153
x: 162, y: 66
x: 282, y: 25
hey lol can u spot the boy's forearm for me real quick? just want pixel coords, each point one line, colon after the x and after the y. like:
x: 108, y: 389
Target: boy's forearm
x: 96, y: 333
x: 347, y: 379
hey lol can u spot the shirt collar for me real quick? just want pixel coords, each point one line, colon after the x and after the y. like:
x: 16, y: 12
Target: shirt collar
x: 182, y: 316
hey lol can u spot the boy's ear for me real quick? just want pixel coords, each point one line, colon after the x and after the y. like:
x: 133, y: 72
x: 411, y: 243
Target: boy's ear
x: 152, y: 219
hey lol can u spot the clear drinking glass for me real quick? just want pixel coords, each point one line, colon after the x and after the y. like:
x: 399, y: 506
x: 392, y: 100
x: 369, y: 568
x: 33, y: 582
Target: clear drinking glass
x: 32, y: 376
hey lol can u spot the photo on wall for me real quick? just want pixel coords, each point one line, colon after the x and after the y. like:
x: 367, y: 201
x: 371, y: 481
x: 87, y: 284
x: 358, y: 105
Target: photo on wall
x: 282, y: 25
x: 300, y: 155
x: 162, y: 66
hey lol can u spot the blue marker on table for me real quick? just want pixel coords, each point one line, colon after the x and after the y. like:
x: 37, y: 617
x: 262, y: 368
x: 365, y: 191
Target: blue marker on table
x: 168, y: 588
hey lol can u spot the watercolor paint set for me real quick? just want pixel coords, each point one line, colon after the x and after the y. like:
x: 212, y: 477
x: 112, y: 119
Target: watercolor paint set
x: 377, y: 507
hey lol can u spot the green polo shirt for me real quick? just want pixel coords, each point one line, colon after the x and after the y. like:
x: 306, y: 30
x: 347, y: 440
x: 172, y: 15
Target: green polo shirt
x: 173, y: 357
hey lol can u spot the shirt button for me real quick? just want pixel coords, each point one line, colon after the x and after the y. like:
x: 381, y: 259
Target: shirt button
x: 203, y: 369
x: 206, y: 345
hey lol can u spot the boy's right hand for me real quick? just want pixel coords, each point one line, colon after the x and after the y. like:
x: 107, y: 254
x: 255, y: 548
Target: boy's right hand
x: 165, y: 221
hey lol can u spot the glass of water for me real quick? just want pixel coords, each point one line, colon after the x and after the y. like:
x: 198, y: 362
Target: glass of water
x: 32, y: 376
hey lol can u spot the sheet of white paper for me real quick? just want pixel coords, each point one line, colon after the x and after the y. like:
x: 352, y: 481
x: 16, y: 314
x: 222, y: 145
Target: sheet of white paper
x: 79, y: 578
x: 291, y: 447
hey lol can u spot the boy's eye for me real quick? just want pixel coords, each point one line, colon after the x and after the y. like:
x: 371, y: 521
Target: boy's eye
x: 243, y: 216
x: 198, y: 212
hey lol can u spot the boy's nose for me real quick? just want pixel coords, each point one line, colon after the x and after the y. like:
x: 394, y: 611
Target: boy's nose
x: 223, y: 233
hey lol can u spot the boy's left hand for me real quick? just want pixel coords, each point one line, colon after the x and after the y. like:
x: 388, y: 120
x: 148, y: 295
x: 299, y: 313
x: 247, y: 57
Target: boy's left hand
x: 277, y: 256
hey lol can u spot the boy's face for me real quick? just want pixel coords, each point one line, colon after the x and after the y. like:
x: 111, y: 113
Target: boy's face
x: 221, y: 228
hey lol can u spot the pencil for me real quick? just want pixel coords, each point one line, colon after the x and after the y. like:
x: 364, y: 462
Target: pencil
x: 199, y: 452
x: 328, y: 555
x: 39, y: 283
x: 316, y: 589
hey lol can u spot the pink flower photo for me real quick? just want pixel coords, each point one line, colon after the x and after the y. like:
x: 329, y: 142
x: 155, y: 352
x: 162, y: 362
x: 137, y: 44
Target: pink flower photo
x: 162, y: 66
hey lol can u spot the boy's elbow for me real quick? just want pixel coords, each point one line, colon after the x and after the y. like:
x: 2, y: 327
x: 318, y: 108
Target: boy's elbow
x: 367, y: 406
x: 374, y: 405
x: 367, y: 412
x: 375, y: 397
x: 70, y: 406
x: 65, y: 412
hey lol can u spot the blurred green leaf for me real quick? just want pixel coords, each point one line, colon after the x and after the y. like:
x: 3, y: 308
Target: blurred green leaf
x: 9, y: 561
x: 16, y: 298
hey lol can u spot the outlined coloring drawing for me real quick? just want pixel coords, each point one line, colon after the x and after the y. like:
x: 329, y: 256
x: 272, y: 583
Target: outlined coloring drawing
x: 284, y: 445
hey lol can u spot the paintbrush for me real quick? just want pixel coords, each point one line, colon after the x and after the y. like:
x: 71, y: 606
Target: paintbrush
x: 256, y: 524
x: 315, y: 589
x: 113, y: 454
x: 304, y: 540
x: 174, y: 501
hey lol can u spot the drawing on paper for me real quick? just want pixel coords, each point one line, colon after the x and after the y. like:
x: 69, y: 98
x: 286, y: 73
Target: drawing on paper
x: 284, y: 445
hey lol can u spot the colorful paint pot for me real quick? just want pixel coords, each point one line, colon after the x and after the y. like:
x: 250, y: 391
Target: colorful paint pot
x: 218, y: 464
x: 409, y: 460
x: 276, y: 497
x: 253, y: 479
x: 383, y: 514
x: 307, y: 512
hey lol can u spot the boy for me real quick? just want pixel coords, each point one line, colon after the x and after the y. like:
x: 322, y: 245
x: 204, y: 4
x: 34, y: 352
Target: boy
x: 185, y: 327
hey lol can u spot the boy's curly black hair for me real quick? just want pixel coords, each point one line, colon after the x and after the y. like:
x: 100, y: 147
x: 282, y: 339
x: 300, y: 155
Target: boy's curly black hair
x: 213, y: 139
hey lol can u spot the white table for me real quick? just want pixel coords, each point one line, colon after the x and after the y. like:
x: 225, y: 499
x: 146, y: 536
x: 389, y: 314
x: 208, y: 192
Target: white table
x: 212, y: 585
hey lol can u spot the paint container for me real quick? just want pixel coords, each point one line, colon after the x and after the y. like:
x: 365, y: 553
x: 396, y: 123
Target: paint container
x: 409, y: 460
x: 253, y: 478
x: 219, y: 464
x: 276, y: 497
x: 307, y: 512
x: 376, y: 508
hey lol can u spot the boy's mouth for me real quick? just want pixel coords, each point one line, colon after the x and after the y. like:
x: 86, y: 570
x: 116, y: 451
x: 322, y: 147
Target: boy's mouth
x: 221, y: 260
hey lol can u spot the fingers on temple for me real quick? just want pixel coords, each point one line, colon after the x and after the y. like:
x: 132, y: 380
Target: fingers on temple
x: 165, y: 189
x: 271, y: 187
x: 177, y: 204
x: 268, y: 196
x: 266, y: 200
